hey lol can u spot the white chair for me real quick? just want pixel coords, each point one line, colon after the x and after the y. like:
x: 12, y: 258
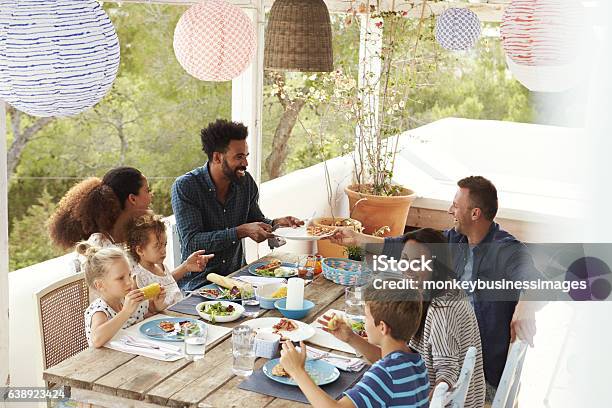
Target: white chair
x: 60, y: 309
x: 455, y: 398
x: 508, y: 387
x: 459, y: 392
x: 439, y: 397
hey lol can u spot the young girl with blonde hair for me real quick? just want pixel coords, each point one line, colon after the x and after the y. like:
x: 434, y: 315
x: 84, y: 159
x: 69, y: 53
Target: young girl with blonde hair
x: 118, y: 306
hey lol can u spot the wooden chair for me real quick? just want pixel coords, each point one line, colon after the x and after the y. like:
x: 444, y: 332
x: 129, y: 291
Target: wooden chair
x: 508, y: 387
x: 455, y: 398
x: 60, y: 308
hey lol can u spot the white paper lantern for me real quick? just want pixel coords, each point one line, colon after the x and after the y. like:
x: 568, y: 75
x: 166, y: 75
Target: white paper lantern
x: 542, y: 32
x: 457, y: 29
x: 57, y: 58
x: 214, y: 41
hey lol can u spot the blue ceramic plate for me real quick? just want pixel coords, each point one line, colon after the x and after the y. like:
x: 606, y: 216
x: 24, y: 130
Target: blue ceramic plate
x: 285, y: 264
x: 216, y: 287
x: 153, y: 331
x: 320, y: 371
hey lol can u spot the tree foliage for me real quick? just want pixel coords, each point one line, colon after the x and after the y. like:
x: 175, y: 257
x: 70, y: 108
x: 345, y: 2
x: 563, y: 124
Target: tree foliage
x: 152, y: 117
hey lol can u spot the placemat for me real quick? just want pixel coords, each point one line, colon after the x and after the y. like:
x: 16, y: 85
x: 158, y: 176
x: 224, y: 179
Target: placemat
x: 259, y: 383
x: 188, y: 305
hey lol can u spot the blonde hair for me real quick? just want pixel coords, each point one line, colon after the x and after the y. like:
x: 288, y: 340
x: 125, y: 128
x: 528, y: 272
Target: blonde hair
x: 98, y: 260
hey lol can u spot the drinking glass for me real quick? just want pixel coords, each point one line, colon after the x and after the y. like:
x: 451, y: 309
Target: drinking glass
x: 305, y: 270
x: 195, y: 341
x: 354, y: 303
x: 243, y: 350
x: 249, y: 301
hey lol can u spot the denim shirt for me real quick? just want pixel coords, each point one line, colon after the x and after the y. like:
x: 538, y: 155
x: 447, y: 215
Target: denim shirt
x: 499, y: 256
x: 205, y: 223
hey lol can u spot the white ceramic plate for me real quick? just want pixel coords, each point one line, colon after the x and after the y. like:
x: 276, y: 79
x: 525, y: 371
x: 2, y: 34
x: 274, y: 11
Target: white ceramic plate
x: 299, y: 234
x: 238, y: 310
x: 265, y: 325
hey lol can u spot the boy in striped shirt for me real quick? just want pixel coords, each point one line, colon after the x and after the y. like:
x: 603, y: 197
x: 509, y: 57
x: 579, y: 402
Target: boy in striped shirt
x: 398, y: 379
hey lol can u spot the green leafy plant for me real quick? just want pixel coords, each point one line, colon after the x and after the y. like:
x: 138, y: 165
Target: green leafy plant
x: 356, y: 253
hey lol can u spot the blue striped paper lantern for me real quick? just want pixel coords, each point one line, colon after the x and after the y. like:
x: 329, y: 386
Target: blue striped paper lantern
x: 57, y: 57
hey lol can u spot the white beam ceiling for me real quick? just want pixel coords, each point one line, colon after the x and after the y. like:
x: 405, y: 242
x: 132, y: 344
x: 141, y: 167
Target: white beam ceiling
x: 487, y: 10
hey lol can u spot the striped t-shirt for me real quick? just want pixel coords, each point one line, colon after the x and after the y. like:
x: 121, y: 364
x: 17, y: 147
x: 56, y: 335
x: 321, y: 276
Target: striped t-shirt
x: 397, y: 380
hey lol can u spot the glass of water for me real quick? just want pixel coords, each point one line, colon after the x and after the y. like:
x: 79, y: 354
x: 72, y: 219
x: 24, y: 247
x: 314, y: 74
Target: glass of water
x: 195, y: 341
x: 249, y: 301
x: 243, y: 350
x: 354, y: 303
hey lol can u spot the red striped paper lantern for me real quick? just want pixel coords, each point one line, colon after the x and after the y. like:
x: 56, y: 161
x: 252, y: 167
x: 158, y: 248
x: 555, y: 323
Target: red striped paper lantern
x: 214, y: 41
x: 542, y: 32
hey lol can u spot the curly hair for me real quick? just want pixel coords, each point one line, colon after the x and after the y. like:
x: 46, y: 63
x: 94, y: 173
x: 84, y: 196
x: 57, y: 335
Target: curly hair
x: 217, y: 136
x: 138, y: 230
x: 93, y: 205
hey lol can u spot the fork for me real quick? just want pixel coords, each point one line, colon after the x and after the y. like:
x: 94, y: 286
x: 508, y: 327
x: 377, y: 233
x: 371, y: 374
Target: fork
x: 307, y: 220
x: 328, y: 354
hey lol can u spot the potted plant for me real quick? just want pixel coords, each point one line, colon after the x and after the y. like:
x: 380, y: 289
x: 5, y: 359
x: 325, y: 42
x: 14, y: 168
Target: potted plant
x: 356, y: 253
x: 377, y: 109
x: 376, y: 106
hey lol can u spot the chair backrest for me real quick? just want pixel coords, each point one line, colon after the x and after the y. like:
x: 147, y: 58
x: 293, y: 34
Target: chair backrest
x: 440, y: 396
x: 60, y: 308
x: 507, y: 390
x: 457, y: 396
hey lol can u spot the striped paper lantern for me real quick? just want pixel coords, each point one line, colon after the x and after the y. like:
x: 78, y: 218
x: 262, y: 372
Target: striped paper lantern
x: 457, y: 29
x: 542, y: 32
x: 214, y: 41
x: 57, y: 58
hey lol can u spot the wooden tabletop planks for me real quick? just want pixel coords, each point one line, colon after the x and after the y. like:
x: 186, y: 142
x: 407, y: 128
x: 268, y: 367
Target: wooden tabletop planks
x: 86, y: 367
x: 207, y: 382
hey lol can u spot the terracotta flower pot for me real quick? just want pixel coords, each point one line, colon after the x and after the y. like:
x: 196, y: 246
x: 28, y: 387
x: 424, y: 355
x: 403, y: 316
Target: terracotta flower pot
x: 376, y: 211
x: 325, y: 247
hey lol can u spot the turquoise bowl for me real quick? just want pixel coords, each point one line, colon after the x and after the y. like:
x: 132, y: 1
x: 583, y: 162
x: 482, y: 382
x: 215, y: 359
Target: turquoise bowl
x: 294, y: 314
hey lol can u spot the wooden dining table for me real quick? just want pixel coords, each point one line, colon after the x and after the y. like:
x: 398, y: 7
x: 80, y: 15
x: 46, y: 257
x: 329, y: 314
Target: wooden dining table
x: 110, y: 378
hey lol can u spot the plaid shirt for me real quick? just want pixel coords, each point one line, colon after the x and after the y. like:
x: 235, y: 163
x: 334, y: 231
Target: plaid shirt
x: 204, y: 223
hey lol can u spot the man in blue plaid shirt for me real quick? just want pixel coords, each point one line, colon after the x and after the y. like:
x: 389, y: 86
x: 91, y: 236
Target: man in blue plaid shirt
x: 217, y: 205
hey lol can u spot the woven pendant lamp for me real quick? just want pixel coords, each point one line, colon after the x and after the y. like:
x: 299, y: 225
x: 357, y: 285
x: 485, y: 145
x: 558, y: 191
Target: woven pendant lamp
x: 298, y: 37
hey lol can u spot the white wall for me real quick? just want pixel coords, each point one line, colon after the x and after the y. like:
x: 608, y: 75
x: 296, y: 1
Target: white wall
x: 299, y: 194
x: 25, y: 360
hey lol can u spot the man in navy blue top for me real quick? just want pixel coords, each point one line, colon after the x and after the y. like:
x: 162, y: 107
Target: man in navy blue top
x: 482, y: 250
x: 217, y: 205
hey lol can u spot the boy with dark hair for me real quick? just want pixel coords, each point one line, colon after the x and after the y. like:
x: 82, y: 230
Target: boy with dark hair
x: 217, y: 205
x: 399, y: 378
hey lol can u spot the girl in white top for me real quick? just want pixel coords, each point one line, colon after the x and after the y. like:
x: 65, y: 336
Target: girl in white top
x: 119, y: 305
x: 146, y: 240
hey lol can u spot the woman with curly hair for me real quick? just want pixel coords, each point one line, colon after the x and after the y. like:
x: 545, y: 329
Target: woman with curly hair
x: 99, y: 209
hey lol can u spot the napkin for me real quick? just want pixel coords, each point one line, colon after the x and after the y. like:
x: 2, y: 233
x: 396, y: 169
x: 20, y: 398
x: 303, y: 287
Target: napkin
x: 259, y: 280
x: 153, y: 349
x: 341, y: 362
x: 325, y: 339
